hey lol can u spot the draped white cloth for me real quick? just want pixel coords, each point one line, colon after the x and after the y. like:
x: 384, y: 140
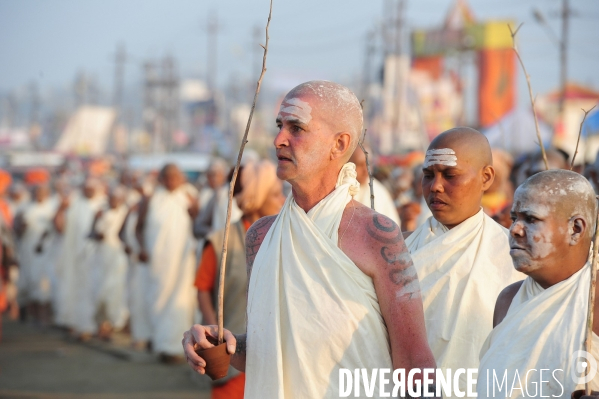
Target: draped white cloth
x: 311, y: 311
x: 461, y: 273
x: 75, y: 295
x: 383, y: 203
x: 169, y: 241
x: 112, y: 267
x: 36, y: 275
x: 542, y: 330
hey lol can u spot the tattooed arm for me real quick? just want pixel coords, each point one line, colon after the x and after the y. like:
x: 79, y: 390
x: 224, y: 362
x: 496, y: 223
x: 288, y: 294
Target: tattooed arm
x: 196, y: 337
x: 377, y: 247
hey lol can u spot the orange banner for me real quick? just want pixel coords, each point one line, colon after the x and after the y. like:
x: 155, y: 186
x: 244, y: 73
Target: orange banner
x: 432, y: 65
x: 496, y: 85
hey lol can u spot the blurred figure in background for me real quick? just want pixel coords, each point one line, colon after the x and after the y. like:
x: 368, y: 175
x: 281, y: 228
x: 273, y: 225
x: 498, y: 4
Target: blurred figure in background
x: 9, y: 271
x: 259, y: 193
x: 383, y: 203
x: 164, y: 231
x: 37, y: 274
x: 18, y: 197
x: 214, y: 212
x: 139, y: 272
x: 110, y: 265
x: 416, y: 212
x: 74, y: 221
x: 556, y: 159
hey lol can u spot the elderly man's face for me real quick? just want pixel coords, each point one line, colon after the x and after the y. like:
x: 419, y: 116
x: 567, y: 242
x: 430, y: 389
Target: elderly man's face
x: 215, y: 177
x: 304, y: 141
x: 539, y: 231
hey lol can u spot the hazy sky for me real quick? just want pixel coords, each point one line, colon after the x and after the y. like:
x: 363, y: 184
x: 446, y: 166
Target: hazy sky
x: 49, y: 41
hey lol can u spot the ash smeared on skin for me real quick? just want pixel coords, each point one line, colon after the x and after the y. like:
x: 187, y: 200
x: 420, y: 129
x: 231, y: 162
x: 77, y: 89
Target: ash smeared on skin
x: 440, y: 156
x: 296, y: 108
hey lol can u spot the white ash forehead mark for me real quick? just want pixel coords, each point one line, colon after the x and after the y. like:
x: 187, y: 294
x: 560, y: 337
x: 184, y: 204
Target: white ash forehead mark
x: 440, y: 156
x: 296, y: 108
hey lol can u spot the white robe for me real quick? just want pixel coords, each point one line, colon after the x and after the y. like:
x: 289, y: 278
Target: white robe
x: 383, y: 203
x: 311, y: 310
x: 541, y: 330
x: 139, y: 282
x: 461, y: 273
x: 75, y: 284
x: 36, y: 269
x: 113, y: 267
x: 169, y: 240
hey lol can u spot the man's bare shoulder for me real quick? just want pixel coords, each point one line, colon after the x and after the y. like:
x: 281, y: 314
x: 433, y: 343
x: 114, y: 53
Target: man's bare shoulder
x: 504, y: 300
x: 366, y: 237
x: 254, y: 237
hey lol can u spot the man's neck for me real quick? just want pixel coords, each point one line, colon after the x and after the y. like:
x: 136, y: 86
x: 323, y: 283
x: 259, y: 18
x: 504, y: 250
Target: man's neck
x: 308, y: 194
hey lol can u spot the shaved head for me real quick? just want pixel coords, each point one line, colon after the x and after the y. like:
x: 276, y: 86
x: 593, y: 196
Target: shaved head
x: 469, y: 143
x: 568, y: 193
x: 337, y: 105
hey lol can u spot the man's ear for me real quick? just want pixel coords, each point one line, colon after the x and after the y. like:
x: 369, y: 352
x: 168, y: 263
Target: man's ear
x: 341, y: 145
x: 577, y: 229
x: 488, y: 176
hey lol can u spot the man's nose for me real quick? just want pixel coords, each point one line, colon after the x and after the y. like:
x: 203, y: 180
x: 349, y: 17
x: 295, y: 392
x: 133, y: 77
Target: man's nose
x: 281, y: 139
x: 437, y: 184
x: 516, y: 230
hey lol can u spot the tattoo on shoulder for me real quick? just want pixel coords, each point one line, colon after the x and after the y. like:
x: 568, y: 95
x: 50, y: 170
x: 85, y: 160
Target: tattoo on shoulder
x: 253, y: 239
x: 384, y: 230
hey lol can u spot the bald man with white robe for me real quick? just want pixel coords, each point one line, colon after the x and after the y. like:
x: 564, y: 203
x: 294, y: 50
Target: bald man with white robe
x: 461, y: 255
x: 540, y: 323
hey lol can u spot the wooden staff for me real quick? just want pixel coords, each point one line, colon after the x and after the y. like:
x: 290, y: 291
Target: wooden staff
x: 221, y: 280
x: 579, y: 134
x: 370, y: 178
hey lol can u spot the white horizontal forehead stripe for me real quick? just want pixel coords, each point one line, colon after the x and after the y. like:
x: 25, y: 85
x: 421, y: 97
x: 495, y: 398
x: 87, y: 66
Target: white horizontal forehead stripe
x: 440, y: 156
x: 298, y: 108
x: 440, y: 151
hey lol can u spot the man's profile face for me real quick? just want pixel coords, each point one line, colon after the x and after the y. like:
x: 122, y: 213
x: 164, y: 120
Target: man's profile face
x: 538, y: 232
x: 452, y: 185
x: 304, y: 141
x: 215, y: 177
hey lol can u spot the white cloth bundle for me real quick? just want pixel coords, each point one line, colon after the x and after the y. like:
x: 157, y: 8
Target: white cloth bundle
x: 311, y: 311
x: 461, y: 273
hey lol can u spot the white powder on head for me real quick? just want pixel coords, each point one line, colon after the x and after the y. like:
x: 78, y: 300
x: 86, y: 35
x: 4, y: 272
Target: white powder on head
x: 296, y: 109
x: 440, y: 156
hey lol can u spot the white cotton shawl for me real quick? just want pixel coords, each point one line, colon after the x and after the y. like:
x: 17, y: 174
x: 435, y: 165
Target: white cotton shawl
x: 542, y: 329
x: 461, y: 273
x: 311, y: 311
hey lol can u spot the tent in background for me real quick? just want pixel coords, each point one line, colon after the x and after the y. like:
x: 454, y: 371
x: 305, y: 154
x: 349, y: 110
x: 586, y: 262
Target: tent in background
x: 516, y: 133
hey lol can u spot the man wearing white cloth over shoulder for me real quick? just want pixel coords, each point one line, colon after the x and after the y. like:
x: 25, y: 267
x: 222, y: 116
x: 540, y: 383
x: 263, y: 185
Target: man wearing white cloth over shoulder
x: 331, y: 283
x: 461, y: 255
x: 540, y: 322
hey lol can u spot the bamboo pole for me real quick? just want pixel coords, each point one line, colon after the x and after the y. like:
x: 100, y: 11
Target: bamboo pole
x: 221, y: 280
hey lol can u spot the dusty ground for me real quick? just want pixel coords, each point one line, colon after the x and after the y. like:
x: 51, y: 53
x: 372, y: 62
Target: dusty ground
x: 47, y: 365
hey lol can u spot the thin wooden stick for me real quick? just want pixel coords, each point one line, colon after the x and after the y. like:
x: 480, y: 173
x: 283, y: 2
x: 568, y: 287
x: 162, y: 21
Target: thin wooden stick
x: 370, y: 178
x: 579, y: 134
x: 589, y: 330
x: 532, y: 100
x: 223, y: 261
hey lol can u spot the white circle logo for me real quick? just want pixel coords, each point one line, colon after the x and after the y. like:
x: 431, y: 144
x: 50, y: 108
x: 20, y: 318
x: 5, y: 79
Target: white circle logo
x: 584, y: 367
